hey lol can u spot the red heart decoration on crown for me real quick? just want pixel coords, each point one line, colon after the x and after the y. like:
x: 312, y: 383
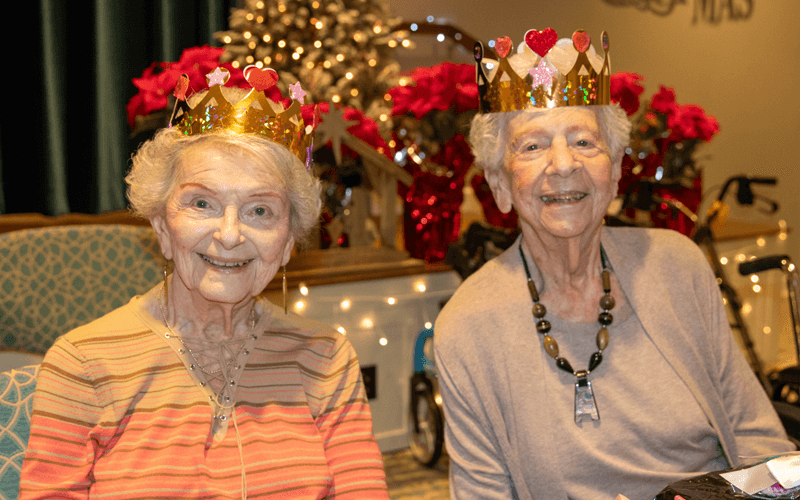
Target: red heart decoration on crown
x: 541, y: 41
x: 260, y: 79
x: 581, y: 40
x: 502, y: 46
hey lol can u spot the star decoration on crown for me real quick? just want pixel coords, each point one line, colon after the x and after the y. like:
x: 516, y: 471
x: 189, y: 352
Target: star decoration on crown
x: 542, y: 74
x: 297, y: 92
x: 217, y: 77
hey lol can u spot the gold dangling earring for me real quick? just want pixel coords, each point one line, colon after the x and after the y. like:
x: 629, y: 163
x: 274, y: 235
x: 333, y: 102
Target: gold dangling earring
x: 285, y: 304
x: 166, y: 295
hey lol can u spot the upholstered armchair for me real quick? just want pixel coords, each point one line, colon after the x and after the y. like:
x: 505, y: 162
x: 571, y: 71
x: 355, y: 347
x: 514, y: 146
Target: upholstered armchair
x: 53, y: 279
x: 16, y: 404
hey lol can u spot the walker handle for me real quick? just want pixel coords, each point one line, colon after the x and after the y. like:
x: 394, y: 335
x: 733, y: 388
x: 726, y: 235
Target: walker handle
x: 762, y: 264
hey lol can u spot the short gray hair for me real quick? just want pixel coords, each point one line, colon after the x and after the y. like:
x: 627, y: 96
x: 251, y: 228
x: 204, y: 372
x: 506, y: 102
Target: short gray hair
x: 489, y: 131
x: 154, y: 173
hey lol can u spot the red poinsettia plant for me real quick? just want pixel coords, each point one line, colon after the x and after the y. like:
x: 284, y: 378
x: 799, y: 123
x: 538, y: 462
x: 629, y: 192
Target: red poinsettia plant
x: 431, y: 113
x: 158, y: 80
x: 665, y: 136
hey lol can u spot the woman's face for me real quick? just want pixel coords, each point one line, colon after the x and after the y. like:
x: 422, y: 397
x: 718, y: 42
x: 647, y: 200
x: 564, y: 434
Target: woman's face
x: 226, y: 226
x: 558, y: 172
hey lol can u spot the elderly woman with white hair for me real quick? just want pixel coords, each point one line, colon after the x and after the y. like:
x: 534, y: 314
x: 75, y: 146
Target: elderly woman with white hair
x: 199, y: 388
x: 547, y: 394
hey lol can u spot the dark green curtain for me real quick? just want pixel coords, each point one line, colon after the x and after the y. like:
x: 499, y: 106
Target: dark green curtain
x: 64, y: 138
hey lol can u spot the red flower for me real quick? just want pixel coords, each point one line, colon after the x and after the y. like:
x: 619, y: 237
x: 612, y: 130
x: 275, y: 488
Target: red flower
x: 625, y: 89
x: 153, y: 92
x: 691, y: 122
x: 663, y: 101
x: 440, y: 87
x: 197, y: 62
x: 203, y: 59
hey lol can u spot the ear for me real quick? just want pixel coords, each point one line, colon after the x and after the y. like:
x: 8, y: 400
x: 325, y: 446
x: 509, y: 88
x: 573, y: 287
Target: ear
x: 616, y: 175
x: 163, y: 235
x: 500, y: 184
x: 287, y: 250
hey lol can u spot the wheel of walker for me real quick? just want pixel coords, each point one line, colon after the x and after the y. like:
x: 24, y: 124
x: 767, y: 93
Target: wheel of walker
x: 427, y: 438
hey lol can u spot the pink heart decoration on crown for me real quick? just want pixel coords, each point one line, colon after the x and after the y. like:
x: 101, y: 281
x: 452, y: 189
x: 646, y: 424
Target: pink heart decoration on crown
x: 581, y: 40
x: 541, y: 41
x: 260, y: 79
x: 502, y: 46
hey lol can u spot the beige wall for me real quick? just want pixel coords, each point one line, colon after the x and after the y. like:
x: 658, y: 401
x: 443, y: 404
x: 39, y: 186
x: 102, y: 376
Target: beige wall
x: 744, y: 72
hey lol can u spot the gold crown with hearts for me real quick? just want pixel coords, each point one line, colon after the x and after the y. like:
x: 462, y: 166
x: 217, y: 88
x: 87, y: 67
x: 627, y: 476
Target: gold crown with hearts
x: 544, y: 84
x: 253, y: 114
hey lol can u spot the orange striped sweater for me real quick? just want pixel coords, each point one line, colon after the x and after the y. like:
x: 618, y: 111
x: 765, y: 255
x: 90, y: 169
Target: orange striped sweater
x: 117, y: 415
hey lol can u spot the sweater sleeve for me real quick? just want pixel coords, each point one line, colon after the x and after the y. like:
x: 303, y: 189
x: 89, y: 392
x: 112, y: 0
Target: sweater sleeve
x: 477, y: 469
x: 345, y: 424
x: 756, y: 426
x: 62, y: 446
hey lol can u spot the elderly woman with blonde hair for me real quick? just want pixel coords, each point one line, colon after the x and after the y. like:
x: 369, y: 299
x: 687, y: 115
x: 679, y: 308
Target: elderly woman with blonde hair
x: 199, y: 388
x: 547, y: 394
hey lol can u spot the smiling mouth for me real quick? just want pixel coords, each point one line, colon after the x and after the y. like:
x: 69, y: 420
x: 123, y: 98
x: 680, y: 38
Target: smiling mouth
x: 563, y: 198
x: 225, y: 265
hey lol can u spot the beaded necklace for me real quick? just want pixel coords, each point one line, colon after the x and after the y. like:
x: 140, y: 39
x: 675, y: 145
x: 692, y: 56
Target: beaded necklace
x: 585, y: 403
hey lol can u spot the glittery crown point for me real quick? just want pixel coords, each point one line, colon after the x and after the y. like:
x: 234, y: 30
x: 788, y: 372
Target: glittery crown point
x: 581, y: 41
x: 503, y: 46
x: 544, y: 82
x: 253, y: 114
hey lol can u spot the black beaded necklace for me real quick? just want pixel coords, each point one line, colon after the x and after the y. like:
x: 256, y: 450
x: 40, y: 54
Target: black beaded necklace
x: 585, y: 404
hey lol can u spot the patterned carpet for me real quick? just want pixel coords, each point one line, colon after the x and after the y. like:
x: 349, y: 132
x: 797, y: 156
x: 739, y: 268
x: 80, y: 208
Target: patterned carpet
x: 409, y: 480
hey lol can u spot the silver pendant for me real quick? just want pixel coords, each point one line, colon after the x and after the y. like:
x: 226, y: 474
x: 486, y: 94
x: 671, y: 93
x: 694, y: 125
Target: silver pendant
x: 585, y: 404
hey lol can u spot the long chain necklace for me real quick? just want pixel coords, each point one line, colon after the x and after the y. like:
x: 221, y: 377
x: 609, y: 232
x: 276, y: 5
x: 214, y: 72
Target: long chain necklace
x: 224, y: 375
x: 585, y: 403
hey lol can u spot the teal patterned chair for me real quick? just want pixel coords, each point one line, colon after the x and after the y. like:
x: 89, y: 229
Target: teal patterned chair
x: 54, y: 279
x: 16, y: 401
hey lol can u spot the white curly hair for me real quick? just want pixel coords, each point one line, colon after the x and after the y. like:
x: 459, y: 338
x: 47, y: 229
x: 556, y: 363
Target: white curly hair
x: 488, y: 134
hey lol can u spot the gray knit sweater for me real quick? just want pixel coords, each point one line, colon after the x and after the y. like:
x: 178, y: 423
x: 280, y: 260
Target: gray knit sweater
x: 503, y: 429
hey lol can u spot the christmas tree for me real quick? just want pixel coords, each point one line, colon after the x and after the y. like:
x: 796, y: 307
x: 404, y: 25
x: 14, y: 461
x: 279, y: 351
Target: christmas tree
x: 341, y: 50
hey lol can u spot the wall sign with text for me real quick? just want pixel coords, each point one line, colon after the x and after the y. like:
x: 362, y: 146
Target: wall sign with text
x: 710, y: 11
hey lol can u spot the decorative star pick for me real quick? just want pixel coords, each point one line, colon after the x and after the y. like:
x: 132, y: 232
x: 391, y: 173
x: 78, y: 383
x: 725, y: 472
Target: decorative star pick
x: 542, y: 74
x: 333, y: 128
x: 218, y: 77
x: 181, y: 87
x: 180, y: 94
x: 297, y: 92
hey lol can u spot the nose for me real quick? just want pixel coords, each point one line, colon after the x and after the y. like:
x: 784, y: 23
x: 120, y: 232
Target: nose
x: 229, y: 235
x: 562, y: 158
